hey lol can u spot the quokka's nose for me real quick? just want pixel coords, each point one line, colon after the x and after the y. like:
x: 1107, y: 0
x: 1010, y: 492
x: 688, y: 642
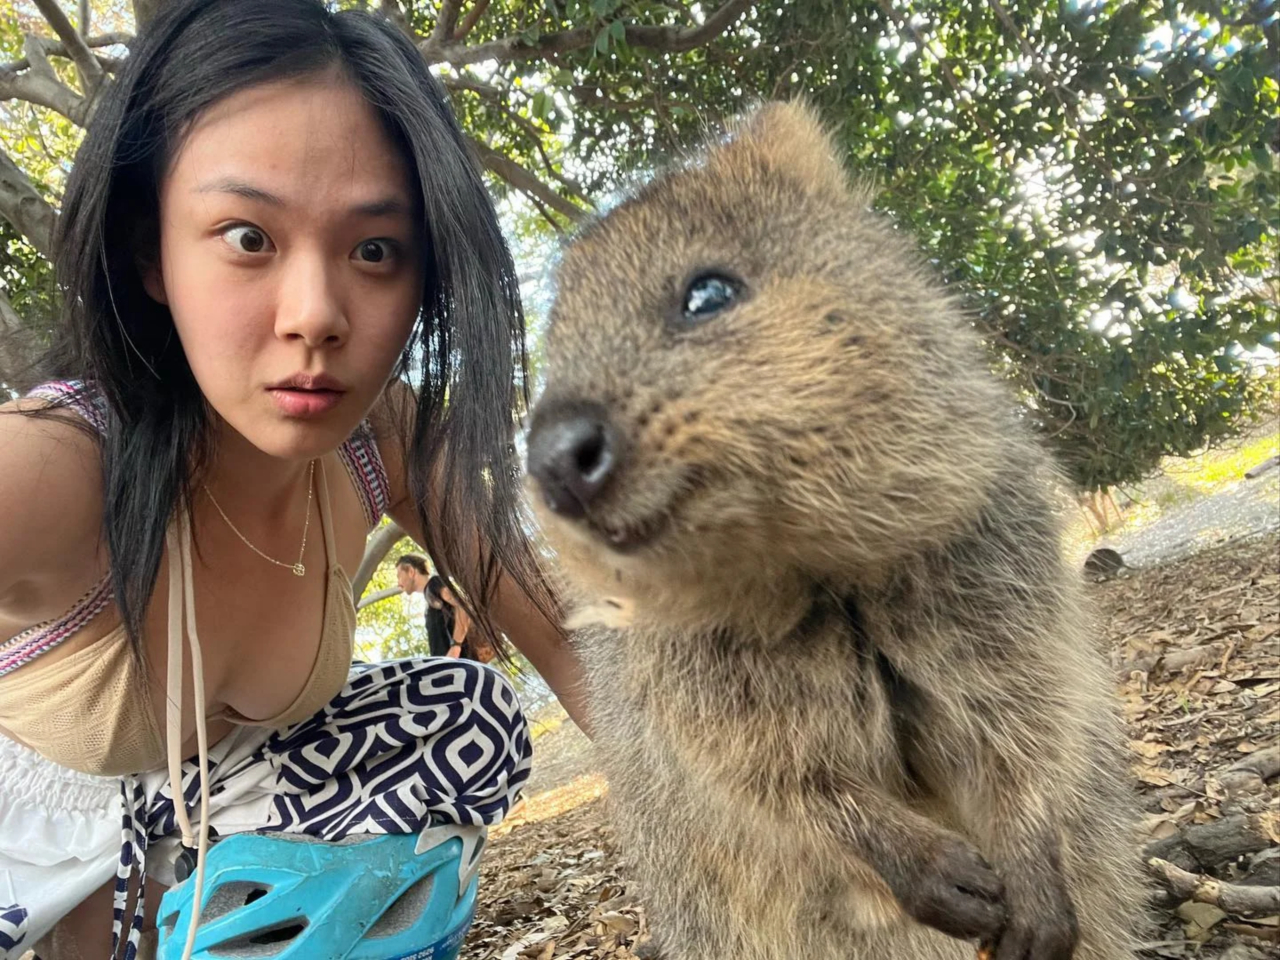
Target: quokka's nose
x: 573, y: 452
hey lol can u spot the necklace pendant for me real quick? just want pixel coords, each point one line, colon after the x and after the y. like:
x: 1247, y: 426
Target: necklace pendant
x: 299, y: 570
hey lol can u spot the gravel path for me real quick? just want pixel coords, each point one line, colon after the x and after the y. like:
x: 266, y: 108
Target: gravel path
x: 1242, y: 511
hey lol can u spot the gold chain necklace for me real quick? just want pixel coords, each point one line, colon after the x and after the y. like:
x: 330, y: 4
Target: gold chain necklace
x: 299, y: 569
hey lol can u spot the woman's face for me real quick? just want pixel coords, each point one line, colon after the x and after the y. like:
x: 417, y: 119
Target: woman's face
x: 290, y: 258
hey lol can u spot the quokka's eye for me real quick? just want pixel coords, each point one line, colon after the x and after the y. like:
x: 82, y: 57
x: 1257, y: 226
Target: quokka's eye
x: 708, y: 294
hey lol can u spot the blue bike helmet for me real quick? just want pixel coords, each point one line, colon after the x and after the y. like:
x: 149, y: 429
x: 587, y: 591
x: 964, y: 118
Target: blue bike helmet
x: 276, y: 896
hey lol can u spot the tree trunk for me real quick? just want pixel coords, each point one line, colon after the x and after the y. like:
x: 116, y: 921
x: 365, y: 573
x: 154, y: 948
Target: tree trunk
x: 144, y: 11
x: 379, y: 546
x: 22, y: 205
x: 16, y: 355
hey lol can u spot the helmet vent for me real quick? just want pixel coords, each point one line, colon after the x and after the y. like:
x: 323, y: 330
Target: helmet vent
x: 265, y: 943
x: 232, y: 896
x: 405, y: 912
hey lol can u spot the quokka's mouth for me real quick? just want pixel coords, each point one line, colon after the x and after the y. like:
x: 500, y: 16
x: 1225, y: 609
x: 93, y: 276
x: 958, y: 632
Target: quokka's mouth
x: 632, y: 536
x: 628, y: 538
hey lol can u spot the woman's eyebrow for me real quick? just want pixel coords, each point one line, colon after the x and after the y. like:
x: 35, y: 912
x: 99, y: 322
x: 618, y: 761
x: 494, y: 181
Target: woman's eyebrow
x: 382, y: 207
x: 385, y: 207
x: 240, y: 188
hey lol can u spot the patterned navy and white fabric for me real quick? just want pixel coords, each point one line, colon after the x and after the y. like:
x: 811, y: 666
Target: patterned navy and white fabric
x: 405, y: 745
x: 13, y: 927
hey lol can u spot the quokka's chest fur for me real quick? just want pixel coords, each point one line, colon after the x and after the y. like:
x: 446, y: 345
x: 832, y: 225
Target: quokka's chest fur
x: 762, y: 719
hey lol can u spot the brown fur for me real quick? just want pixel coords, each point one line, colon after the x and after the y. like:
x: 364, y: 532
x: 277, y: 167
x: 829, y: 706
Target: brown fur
x: 854, y: 654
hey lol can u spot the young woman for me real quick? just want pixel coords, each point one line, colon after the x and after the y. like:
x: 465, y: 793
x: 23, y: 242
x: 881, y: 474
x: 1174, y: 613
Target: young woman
x: 288, y: 311
x: 456, y: 622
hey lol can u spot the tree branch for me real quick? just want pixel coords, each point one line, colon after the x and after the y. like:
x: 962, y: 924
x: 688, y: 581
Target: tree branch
x: 1201, y: 847
x: 43, y: 93
x: 15, y: 353
x: 546, y: 215
x: 22, y: 205
x: 446, y: 21
x: 665, y: 39
x: 535, y: 136
x: 379, y: 546
x: 91, y: 72
x: 486, y: 90
x: 471, y: 19
x: 525, y: 182
x: 392, y: 10
x: 39, y: 84
x: 680, y: 39
x: 56, y: 48
x: 592, y: 96
x: 378, y: 597
x: 1243, y: 901
x: 500, y: 99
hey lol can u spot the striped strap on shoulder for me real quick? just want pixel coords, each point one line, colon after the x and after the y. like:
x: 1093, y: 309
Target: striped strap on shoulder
x: 364, y: 463
x: 42, y: 638
x: 75, y: 395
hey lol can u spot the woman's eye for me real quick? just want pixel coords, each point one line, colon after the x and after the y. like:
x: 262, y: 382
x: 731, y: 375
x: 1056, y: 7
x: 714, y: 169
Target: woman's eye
x: 246, y: 239
x: 374, y: 251
x: 707, y: 294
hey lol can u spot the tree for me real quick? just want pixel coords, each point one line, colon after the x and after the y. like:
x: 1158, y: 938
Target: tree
x: 1097, y: 179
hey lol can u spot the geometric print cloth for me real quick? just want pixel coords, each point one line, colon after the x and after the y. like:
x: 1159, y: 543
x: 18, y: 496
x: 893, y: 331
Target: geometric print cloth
x: 402, y: 743
x: 405, y: 745
x: 13, y: 928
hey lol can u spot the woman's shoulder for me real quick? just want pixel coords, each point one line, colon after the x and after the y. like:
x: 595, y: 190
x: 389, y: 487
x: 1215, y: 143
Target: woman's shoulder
x: 50, y: 445
x: 51, y: 499
x: 390, y: 424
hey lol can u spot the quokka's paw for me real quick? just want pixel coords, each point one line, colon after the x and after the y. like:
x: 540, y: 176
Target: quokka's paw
x: 954, y: 891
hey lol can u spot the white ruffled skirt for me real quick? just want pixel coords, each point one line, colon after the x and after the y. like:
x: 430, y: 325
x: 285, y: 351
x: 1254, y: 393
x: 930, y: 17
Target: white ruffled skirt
x: 404, y: 745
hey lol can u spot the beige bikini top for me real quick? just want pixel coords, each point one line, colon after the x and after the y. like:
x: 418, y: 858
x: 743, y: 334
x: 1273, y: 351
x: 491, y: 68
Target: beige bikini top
x: 90, y: 711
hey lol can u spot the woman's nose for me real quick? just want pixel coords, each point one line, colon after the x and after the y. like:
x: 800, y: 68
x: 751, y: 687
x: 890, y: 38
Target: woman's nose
x: 310, y: 308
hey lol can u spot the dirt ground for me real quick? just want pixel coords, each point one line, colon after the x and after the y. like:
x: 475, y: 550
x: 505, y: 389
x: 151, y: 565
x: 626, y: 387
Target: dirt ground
x: 1196, y: 649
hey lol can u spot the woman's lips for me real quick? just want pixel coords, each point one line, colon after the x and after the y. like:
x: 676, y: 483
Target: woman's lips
x: 296, y: 402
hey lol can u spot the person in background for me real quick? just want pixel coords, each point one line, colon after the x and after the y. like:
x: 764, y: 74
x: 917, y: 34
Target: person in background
x: 413, y: 577
x: 456, y: 623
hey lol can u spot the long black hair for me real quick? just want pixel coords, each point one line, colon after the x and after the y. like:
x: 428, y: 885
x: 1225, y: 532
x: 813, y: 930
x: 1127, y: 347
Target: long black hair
x: 467, y: 345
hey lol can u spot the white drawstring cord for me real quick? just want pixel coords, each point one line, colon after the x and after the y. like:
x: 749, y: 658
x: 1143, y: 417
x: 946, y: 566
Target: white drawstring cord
x: 182, y: 601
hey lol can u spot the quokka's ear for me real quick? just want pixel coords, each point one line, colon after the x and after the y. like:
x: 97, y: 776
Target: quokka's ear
x: 788, y: 139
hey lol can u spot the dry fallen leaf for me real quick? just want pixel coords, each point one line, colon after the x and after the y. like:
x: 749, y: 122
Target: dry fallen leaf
x: 1199, y: 919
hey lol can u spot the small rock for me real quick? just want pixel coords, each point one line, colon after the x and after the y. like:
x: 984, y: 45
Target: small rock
x: 1103, y: 563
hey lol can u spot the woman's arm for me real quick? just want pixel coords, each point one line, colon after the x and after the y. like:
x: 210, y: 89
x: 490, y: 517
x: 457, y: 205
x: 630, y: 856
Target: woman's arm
x: 461, y: 623
x: 542, y: 642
